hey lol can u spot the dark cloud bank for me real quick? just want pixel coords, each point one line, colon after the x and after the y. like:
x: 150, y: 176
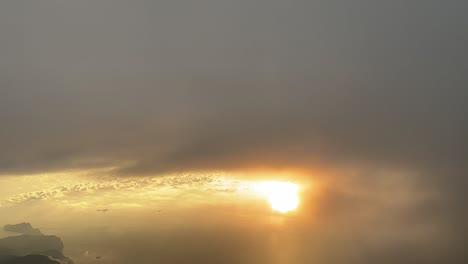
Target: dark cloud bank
x: 169, y: 86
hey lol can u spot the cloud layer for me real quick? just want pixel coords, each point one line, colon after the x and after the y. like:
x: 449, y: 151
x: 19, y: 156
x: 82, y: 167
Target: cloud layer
x: 224, y: 83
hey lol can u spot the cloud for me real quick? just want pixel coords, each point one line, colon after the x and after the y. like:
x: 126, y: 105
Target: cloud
x: 357, y: 89
x: 212, y: 182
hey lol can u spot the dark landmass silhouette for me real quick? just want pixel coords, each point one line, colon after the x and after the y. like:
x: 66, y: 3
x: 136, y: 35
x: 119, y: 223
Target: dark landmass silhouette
x: 29, y: 259
x: 31, y: 249
x: 23, y: 228
x: 26, y: 244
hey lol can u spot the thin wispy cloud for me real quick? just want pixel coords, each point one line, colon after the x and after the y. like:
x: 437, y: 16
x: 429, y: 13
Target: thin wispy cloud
x: 100, y: 186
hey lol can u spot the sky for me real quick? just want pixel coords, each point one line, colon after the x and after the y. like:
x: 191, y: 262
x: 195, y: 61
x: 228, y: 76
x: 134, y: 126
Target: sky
x: 168, y: 113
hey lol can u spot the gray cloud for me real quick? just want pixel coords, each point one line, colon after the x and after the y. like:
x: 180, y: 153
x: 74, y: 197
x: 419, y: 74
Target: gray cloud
x: 95, y: 84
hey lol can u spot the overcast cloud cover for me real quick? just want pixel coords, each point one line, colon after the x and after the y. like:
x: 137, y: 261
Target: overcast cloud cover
x: 150, y: 87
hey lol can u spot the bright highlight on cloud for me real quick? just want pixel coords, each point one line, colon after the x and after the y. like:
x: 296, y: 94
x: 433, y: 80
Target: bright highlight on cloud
x: 283, y: 196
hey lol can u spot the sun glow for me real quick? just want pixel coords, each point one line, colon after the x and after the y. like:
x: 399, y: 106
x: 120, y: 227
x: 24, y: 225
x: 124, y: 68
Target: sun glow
x: 283, y: 196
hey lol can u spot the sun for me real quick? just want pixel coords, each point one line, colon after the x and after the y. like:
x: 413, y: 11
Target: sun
x: 283, y: 196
